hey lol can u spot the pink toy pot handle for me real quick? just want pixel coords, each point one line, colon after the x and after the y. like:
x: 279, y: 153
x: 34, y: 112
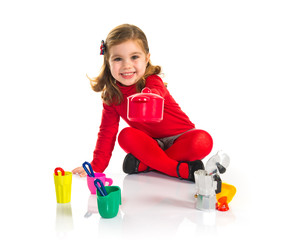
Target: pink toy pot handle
x: 109, y: 181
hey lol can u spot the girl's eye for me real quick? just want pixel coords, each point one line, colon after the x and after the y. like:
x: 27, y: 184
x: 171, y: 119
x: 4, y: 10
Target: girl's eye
x: 135, y: 57
x: 117, y: 59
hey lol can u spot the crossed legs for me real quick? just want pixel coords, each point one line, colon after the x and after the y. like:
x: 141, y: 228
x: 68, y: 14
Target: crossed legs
x: 191, y: 146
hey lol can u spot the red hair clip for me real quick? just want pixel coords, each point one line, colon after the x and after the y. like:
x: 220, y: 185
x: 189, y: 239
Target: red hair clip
x: 102, y: 47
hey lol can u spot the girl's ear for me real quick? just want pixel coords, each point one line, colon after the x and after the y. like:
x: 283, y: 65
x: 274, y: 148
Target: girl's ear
x: 148, y: 57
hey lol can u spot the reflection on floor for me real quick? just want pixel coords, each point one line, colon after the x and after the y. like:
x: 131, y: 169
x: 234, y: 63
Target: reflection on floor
x: 152, y: 204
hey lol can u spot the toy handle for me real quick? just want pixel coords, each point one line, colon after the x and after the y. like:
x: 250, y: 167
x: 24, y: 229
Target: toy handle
x: 100, y: 188
x: 89, y: 170
x: 142, y: 99
x: 109, y: 181
x: 59, y: 169
x: 146, y: 90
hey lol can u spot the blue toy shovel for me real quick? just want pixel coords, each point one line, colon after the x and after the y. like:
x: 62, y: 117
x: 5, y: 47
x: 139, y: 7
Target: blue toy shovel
x: 89, y: 170
x: 100, y: 188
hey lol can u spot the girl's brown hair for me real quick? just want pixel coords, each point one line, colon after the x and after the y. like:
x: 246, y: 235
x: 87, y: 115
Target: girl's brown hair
x: 105, y: 82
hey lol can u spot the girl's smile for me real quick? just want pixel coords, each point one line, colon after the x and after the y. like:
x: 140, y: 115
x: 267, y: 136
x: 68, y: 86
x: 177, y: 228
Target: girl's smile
x: 127, y: 75
x: 128, y: 62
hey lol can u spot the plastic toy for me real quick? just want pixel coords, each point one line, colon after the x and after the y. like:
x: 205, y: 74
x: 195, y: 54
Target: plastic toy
x: 59, y: 169
x: 145, y: 107
x: 225, y: 196
x: 217, y: 165
x: 206, y: 187
x: 109, y: 205
x: 102, y: 177
x: 209, y: 183
x: 63, y: 182
x: 100, y: 188
x: 88, y: 170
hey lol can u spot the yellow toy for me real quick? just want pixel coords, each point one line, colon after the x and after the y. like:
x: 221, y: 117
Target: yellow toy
x: 225, y: 196
x: 63, y: 182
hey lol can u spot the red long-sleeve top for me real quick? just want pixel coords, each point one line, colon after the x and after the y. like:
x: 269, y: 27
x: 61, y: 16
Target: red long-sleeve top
x: 174, y: 122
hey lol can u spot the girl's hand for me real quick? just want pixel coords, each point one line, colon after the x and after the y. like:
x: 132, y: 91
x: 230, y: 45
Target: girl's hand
x: 80, y: 171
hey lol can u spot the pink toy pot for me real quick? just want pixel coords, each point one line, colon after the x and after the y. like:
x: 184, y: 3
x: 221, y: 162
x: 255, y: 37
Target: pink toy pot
x: 102, y: 177
x: 145, y: 107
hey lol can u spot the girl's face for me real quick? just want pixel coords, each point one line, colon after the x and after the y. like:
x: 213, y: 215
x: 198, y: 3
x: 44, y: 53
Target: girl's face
x: 128, y: 62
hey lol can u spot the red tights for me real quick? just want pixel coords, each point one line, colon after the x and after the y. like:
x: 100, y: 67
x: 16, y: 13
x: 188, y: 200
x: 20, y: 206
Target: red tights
x: 190, y: 146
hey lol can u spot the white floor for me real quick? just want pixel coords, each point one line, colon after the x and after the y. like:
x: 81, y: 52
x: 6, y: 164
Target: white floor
x: 230, y: 53
x: 153, y: 206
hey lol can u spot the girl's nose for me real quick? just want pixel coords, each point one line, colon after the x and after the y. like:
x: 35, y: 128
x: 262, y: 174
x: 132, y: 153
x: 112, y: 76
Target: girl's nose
x: 127, y: 64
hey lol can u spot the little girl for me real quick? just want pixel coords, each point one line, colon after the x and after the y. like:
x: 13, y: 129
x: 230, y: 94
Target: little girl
x: 172, y: 146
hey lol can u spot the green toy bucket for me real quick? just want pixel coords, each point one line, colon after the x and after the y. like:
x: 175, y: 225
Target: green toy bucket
x: 109, y: 205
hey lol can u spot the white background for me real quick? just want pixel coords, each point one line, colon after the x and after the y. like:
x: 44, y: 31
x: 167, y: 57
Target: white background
x: 223, y: 62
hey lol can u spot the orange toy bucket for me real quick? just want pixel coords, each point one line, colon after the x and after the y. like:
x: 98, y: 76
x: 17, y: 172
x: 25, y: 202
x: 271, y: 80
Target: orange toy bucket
x: 225, y: 196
